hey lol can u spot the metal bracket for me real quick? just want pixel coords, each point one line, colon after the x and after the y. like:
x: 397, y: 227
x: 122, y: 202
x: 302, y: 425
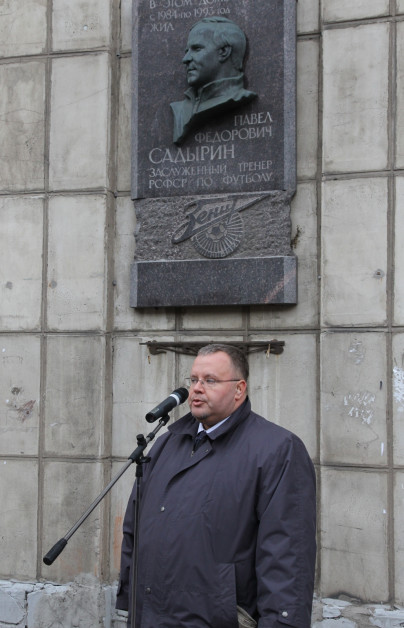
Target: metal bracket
x: 191, y: 348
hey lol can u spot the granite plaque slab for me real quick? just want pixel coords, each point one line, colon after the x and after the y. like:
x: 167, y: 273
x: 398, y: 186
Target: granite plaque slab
x: 194, y: 135
x: 270, y: 281
x: 213, y: 152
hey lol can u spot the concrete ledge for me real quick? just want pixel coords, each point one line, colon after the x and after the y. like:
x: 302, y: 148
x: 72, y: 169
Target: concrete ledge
x: 89, y: 604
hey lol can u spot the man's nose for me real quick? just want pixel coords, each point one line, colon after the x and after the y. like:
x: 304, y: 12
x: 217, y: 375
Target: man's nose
x: 187, y: 57
x: 199, y: 385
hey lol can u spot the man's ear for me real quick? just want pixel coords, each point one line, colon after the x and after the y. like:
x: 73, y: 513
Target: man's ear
x: 241, y: 388
x: 225, y: 53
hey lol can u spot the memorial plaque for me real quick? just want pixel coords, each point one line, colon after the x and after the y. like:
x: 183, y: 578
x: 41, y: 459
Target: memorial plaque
x: 240, y: 136
x: 213, y: 152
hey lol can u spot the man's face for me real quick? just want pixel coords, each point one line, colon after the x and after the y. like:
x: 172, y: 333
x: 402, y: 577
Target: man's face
x: 201, y: 57
x: 212, y: 404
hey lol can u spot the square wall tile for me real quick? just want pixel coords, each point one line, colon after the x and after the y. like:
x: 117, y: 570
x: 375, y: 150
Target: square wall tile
x: 353, y: 398
x: 78, y: 24
x: 304, y: 239
x: 354, y: 248
x: 79, y: 128
x: 307, y: 108
x: 126, y: 25
x: 77, y: 262
x: 19, y: 394
x: 336, y: 10
x: 140, y: 382
x: 22, y: 126
x: 21, y: 239
x: 18, y: 518
x: 69, y: 489
x: 400, y: 6
x: 308, y: 16
x: 400, y: 95
x: 22, y: 27
x: 125, y: 316
x: 273, y: 377
x: 398, y: 398
x: 124, y: 125
x: 354, y: 534
x: 217, y: 318
x: 356, y: 71
x: 399, y: 254
x: 74, y: 406
x: 399, y: 535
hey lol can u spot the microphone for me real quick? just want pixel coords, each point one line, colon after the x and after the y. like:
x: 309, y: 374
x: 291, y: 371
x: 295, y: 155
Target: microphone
x: 177, y: 397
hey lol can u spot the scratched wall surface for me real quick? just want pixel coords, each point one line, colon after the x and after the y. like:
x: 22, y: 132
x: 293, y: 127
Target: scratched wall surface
x: 75, y: 377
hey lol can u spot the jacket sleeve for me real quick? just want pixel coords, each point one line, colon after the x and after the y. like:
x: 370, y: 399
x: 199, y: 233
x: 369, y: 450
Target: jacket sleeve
x: 286, y: 543
x: 122, y: 596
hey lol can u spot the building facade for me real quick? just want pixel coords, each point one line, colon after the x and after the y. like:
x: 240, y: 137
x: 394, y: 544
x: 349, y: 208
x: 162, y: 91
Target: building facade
x: 76, y: 376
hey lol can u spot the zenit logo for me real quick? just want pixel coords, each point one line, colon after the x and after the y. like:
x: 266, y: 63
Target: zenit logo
x: 214, y: 226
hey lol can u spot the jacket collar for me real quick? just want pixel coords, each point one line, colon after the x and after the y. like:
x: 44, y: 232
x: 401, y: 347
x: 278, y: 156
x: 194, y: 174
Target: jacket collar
x: 216, y: 89
x: 189, y: 425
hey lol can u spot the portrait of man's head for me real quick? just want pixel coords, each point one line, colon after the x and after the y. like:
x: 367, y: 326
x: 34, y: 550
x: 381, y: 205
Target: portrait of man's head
x: 214, y: 96
x: 215, y: 50
x: 213, y: 60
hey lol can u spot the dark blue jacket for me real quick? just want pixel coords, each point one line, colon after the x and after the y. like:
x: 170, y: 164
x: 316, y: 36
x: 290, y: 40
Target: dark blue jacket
x: 232, y: 524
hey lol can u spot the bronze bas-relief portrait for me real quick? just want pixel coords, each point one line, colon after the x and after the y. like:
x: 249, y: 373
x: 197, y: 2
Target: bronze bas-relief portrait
x: 213, y: 59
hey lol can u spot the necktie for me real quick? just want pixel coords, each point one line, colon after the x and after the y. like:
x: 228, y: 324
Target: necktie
x: 200, y: 438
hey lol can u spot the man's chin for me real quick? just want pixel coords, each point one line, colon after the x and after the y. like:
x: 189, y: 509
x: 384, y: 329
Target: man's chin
x: 192, y: 80
x: 200, y: 418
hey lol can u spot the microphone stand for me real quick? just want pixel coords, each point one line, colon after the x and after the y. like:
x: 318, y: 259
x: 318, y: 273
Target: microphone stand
x: 137, y: 457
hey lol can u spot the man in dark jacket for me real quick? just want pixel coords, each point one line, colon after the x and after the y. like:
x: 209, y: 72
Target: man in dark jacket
x: 229, y: 523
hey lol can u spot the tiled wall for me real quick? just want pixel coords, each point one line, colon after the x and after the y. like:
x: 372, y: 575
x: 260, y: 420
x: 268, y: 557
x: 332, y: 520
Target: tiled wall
x: 75, y: 380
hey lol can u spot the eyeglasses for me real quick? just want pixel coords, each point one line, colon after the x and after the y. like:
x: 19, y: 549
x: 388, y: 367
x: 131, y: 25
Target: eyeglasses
x: 209, y: 382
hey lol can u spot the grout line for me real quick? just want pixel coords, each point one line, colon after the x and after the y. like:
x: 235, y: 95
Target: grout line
x: 109, y: 250
x: 216, y: 333
x: 320, y: 107
x: 82, y: 459
x: 55, y: 54
x: 392, y: 109
x: 363, y: 21
x: 44, y: 300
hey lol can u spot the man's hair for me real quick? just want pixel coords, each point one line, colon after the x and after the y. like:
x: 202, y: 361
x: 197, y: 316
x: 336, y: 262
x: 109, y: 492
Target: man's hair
x: 226, y: 33
x: 236, y: 356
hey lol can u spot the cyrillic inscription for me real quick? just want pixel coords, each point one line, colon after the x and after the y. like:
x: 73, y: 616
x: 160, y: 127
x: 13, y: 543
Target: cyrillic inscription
x: 238, y: 150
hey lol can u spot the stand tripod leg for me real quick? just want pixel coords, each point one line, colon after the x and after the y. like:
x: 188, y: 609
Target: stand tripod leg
x: 135, y: 553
